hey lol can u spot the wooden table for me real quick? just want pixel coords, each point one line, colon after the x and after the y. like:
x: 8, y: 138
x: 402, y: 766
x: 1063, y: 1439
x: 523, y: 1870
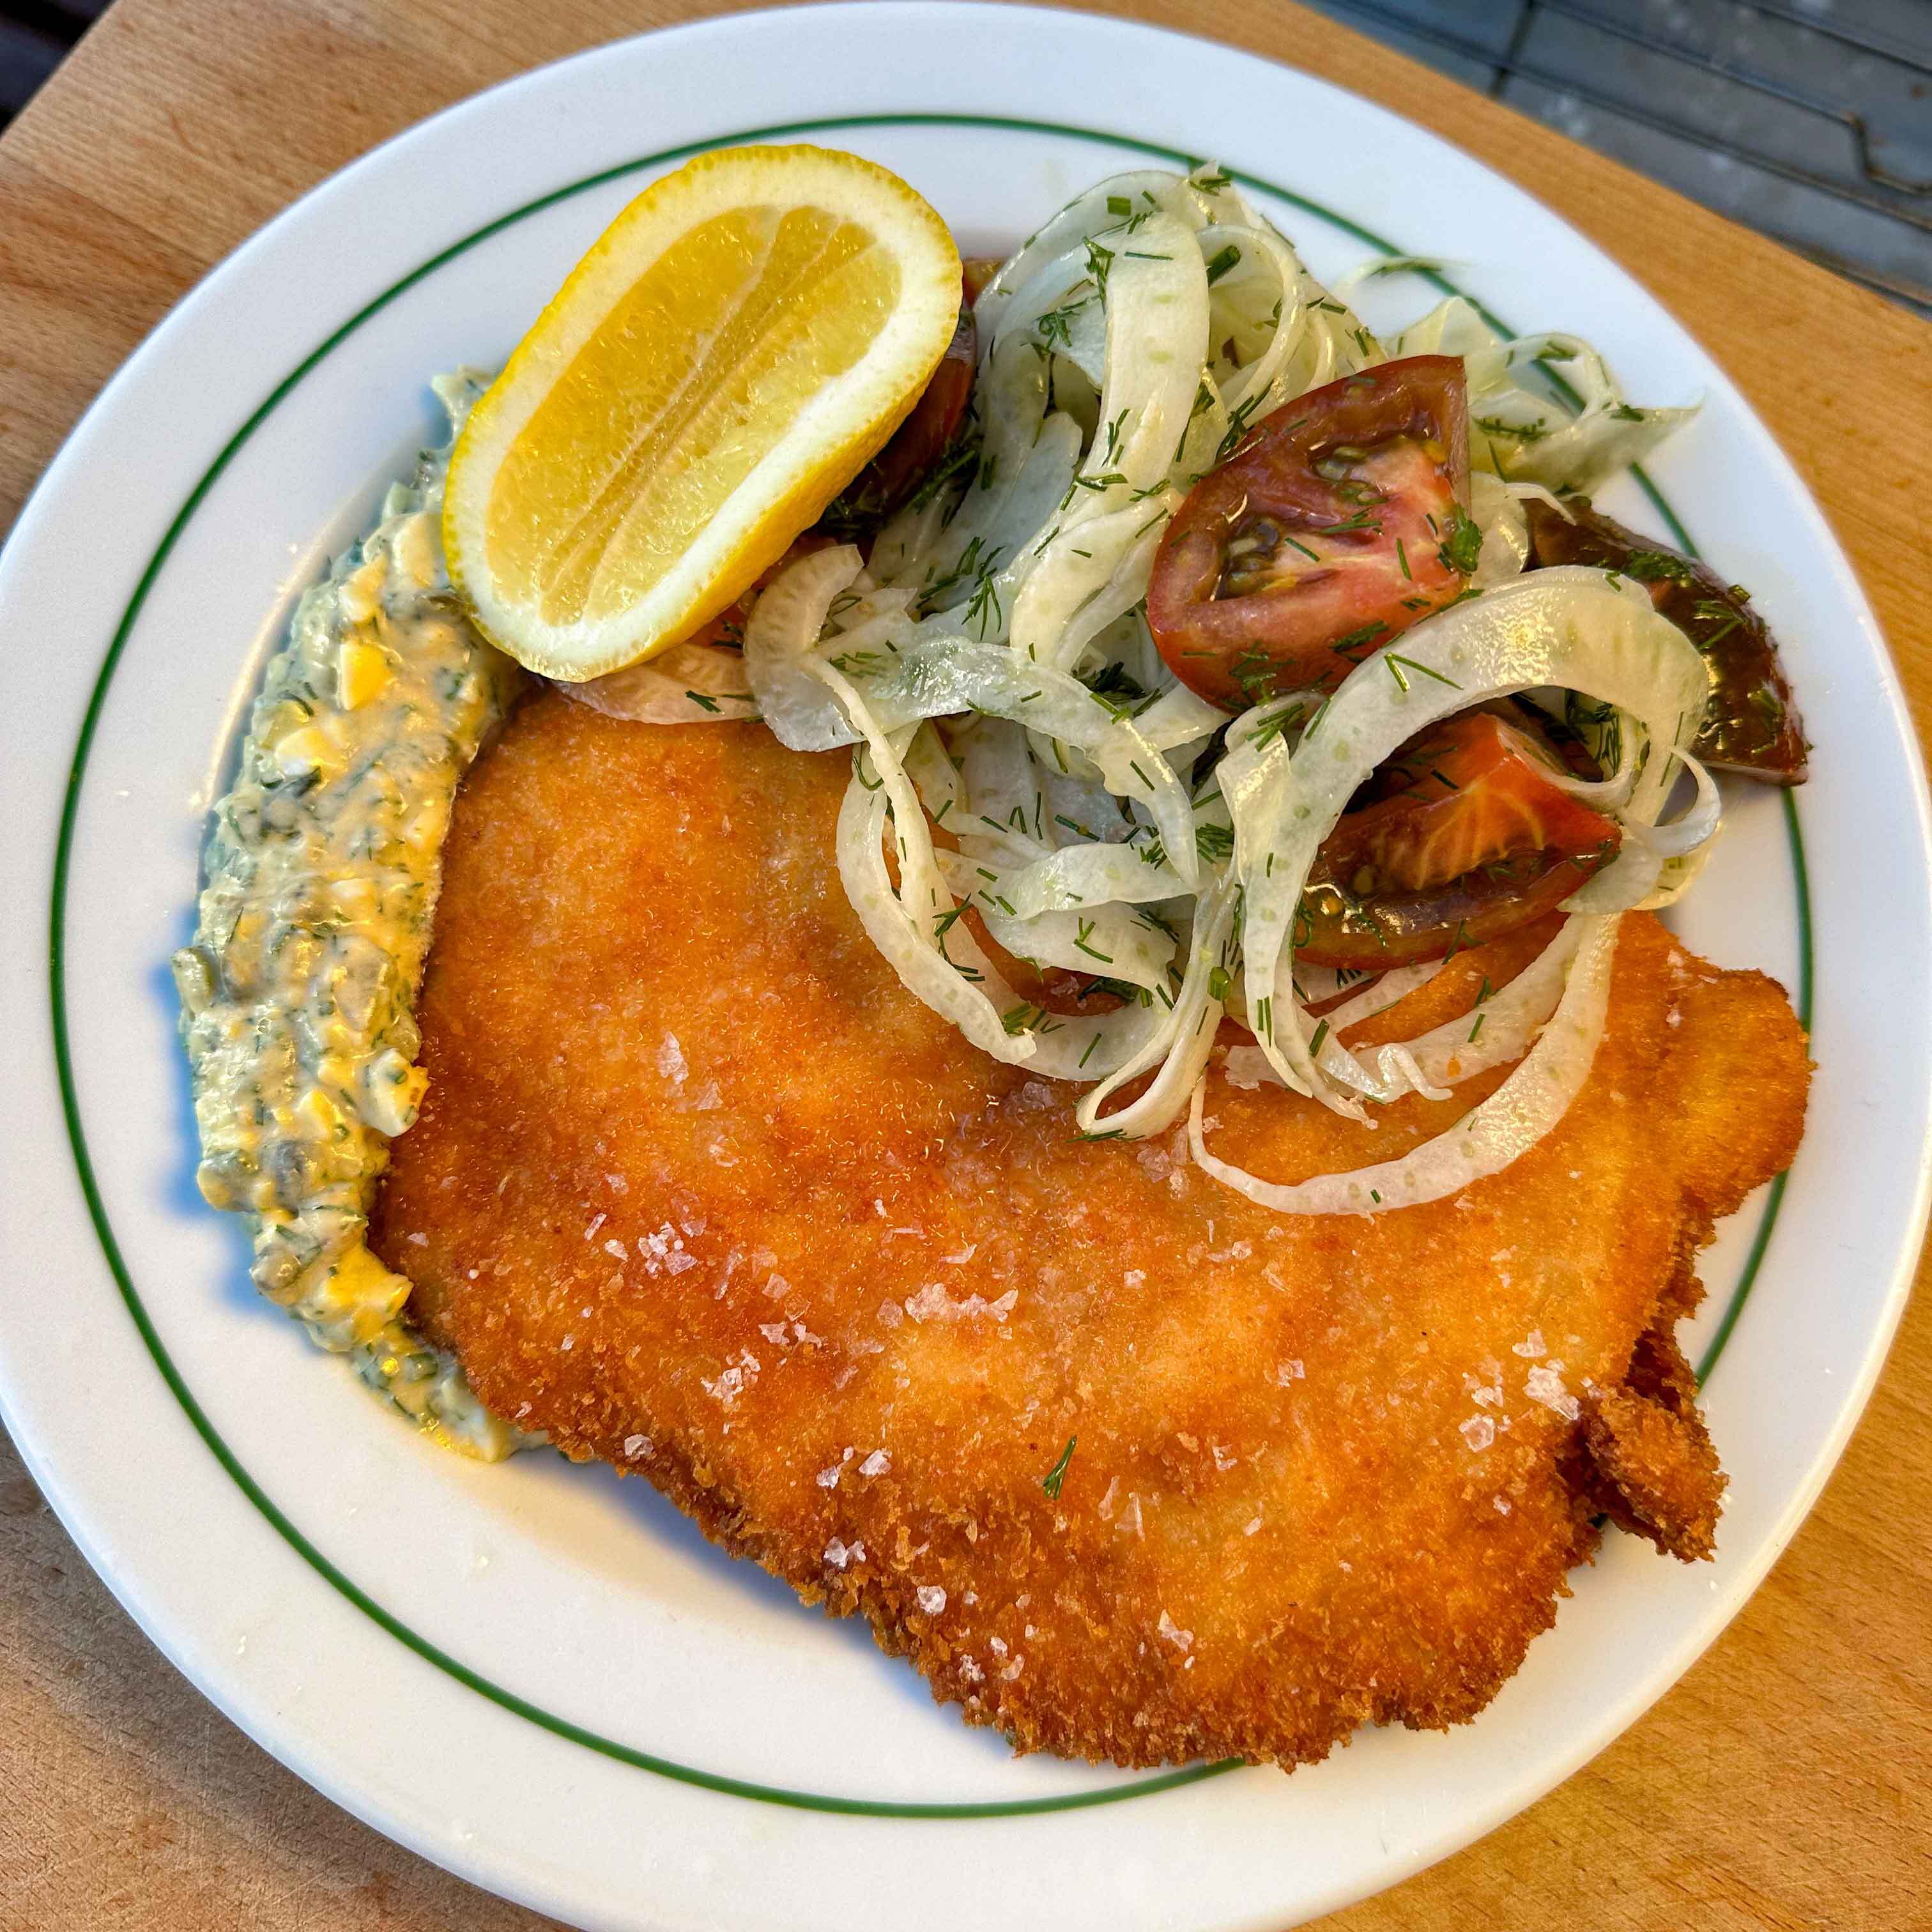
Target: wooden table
x: 1785, y: 1783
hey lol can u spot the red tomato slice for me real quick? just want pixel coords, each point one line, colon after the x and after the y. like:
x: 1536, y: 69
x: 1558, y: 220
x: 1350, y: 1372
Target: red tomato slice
x: 1478, y: 840
x: 1336, y: 524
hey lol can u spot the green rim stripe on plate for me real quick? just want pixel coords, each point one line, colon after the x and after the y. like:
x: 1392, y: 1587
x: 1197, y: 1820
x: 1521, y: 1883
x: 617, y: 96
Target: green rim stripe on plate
x: 495, y: 1693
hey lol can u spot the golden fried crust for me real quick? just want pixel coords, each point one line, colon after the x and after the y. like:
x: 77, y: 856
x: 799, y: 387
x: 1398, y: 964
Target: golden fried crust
x: 1657, y: 1471
x: 701, y: 1189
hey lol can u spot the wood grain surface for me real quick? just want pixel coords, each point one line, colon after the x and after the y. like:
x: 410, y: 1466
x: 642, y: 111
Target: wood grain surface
x: 1785, y: 1785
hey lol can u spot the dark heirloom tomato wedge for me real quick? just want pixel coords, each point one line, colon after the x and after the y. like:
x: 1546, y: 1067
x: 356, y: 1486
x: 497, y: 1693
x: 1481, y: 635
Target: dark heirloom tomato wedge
x: 1753, y: 726
x: 1337, y: 523
x: 919, y: 445
x: 927, y: 433
x: 1477, y: 840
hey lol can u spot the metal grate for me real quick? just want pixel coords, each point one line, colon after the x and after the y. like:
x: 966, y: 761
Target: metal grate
x: 35, y: 37
x: 1813, y: 126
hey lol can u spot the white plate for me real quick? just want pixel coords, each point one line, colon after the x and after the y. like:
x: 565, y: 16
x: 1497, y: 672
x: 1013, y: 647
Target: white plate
x: 547, y: 1682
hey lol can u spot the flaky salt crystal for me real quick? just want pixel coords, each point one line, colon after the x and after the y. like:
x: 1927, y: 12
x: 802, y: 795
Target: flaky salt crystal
x: 1531, y: 1346
x: 828, y: 1478
x: 876, y: 1464
x: 1181, y: 1640
x: 1479, y: 1432
x: 930, y: 1303
x: 671, y: 1062
x: 1545, y: 1386
x: 931, y: 1599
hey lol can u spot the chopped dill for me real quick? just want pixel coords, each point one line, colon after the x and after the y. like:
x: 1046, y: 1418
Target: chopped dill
x: 1099, y: 260
x: 1711, y: 611
x: 1221, y: 263
x: 1084, y: 932
x: 1463, y: 544
x: 1397, y: 665
x: 1270, y: 725
x: 1658, y: 566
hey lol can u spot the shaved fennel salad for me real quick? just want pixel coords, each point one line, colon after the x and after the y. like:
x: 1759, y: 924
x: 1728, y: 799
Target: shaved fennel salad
x: 1205, y: 659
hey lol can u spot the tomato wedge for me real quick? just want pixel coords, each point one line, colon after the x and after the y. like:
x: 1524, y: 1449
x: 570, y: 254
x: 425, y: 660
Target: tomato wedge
x: 1336, y: 524
x: 1478, y: 840
x: 976, y: 271
x: 928, y: 437
x: 1752, y: 726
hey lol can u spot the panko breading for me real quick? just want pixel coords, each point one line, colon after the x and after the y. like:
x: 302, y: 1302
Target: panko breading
x: 701, y: 1189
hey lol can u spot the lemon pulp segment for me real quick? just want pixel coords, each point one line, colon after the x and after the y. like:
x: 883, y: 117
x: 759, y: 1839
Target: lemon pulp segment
x: 693, y: 377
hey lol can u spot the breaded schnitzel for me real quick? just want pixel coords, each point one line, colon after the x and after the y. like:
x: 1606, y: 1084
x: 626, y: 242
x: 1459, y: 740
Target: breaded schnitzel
x: 1128, y: 1466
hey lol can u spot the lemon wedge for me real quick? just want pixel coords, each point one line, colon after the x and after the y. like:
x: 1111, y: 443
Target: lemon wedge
x: 736, y: 345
